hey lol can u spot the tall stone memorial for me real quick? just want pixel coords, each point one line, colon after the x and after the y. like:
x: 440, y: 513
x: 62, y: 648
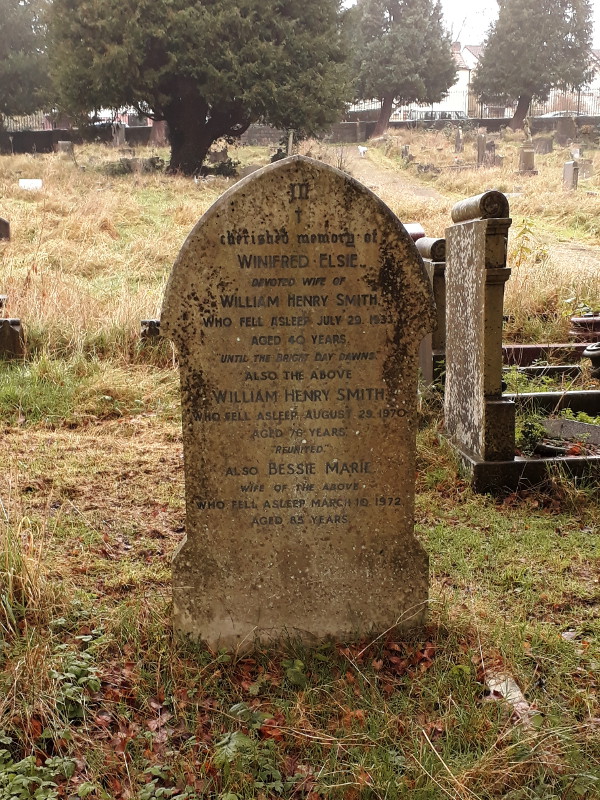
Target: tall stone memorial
x: 297, y: 305
x: 479, y: 420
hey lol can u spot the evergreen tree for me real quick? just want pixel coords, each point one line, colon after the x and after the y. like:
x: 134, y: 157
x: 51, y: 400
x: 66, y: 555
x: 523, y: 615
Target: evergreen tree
x: 532, y: 48
x: 208, y: 67
x: 23, y: 68
x: 402, y: 54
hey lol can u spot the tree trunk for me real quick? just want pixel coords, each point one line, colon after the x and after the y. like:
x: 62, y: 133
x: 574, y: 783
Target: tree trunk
x: 384, y: 115
x: 190, y: 135
x: 520, y: 112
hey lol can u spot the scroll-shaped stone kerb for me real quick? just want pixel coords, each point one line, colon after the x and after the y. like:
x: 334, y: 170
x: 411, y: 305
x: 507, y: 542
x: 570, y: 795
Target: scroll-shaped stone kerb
x: 297, y: 305
x: 431, y: 248
x: 489, y: 205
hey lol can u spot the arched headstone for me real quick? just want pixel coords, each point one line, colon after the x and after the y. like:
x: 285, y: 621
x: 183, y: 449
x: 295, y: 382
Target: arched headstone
x: 297, y: 305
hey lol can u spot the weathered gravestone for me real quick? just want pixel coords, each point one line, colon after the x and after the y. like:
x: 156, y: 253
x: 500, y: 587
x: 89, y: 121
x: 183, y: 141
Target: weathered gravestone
x: 481, y: 143
x: 543, y: 145
x: 566, y: 130
x: 586, y: 168
x: 570, y: 175
x: 433, y: 347
x: 297, y: 305
x: 12, y: 344
x: 527, y: 160
x: 479, y: 421
x: 65, y: 149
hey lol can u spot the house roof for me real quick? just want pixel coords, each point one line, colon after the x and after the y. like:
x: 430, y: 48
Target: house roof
x: 459, y: 61
x: 475, y: 50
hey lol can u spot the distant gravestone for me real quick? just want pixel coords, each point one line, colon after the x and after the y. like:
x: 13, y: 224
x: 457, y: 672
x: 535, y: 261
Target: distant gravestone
x: 566, y: 130
x: 458, y: 140
x: 586, y: 168
x: 297, y: 305
x: 490, y: 154
x: 4, y: 228
x: 527, y: 160
x: 570, y: 175
x: 216, y: 156
x: 118, y: 134
x: 481, y: 142
x: 65, y: 149
x: 543, y: 145
x: 159, y: 133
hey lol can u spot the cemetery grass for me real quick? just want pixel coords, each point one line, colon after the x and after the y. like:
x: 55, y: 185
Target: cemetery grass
x: 99, y: 698
x: 554, y: 237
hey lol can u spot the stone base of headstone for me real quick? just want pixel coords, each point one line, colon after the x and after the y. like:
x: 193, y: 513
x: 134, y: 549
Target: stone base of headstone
x: 12, y: 344
x: 489, y: 477
x: 4, y: 228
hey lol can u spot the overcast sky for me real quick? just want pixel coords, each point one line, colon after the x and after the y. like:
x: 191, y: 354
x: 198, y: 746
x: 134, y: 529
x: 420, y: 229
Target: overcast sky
x: 468, y: 20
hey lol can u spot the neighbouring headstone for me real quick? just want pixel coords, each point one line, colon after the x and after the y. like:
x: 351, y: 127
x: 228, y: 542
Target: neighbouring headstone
x: 480, y: 423
x: 481, y: 142
x: 159, y: 134
x: 458, y: 140
x: 4, y: 228
x: 527, y: 160
x: 570, y: 175
x: 118, y: 134
x: 215, y: 156
x: 490, y: 154
x: 12, y: 344
x: 433, y: 347
x: 65, y: 149
x: 297, y: 305
x: 566, y: 130
x: 543, y: 145
x: 586, y: 168
x: 576, y: 151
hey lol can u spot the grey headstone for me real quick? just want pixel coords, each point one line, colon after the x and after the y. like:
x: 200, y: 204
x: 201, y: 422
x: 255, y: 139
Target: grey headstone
x: 65, y: 149
x: 570, y: 175
x: 297, y: 305
x: 526, y: 159
x: 586, y: 168
x: 543, y: 145
x: 12, y: 344
x: 566, y: 130
x: 481, y: 142
x: 477, y: 419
